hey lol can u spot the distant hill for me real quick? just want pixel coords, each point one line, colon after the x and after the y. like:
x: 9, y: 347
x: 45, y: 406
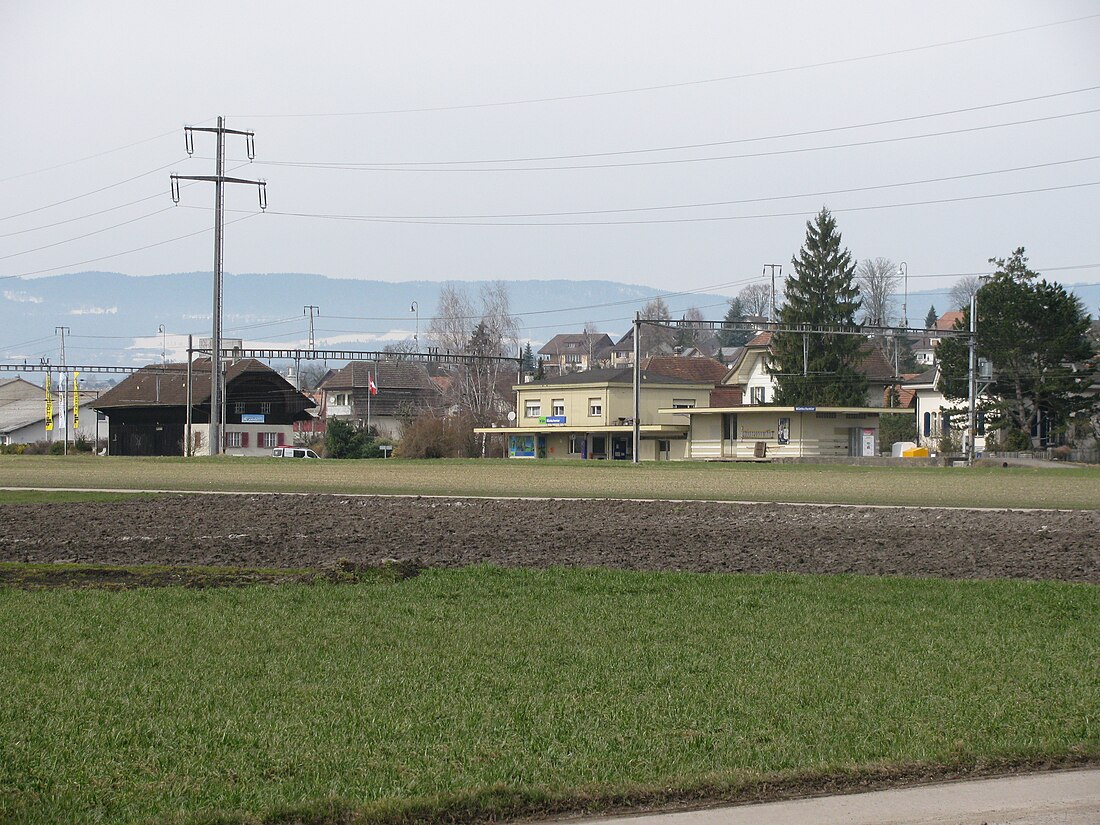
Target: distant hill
x: 114, y: 318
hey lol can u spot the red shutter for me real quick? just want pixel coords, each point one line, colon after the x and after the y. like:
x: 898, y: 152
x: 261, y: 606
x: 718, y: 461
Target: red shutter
x: 244, y: 439
x: 279, y: 439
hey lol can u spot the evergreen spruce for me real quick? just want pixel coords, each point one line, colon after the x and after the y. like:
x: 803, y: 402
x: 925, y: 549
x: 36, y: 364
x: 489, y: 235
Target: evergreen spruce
x: 734, y: 337
x: 931, y: 318
x: 822, y: 292
x: 528, y: 359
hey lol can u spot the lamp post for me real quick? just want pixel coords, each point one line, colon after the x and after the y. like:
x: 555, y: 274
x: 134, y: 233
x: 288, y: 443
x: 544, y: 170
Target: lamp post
x: 416, y: 335
x: 972, y: 375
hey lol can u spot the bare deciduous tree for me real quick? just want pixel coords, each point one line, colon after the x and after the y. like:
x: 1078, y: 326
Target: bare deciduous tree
x: 399, y: 349
x: 756, y: 300
x: 482, y: 389
x: 964, y: 289
x: 656, y: 339
x: 693, y: 332
x: 592, y: 336
x: 311, y: 375
x: 877, y: 279
x: 449, y: 329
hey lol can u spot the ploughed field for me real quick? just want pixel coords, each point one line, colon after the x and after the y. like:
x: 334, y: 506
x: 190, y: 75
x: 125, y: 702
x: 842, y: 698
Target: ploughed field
x: 292, y: 531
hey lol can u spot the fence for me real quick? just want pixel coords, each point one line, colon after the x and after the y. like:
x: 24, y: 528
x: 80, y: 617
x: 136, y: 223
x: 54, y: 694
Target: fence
x: 1074, y: 454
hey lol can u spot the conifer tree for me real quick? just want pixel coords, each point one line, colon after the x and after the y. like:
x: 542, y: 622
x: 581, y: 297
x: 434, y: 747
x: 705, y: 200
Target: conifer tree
x: 734, y: 337
x: 931, y: 318
x: 815, y: 369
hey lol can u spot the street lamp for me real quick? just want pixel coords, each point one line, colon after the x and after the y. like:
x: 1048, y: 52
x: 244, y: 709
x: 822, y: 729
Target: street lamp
x: 972, y: 374
x: 416, y: 335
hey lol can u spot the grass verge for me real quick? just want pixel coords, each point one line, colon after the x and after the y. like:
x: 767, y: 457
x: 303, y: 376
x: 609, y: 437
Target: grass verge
x: 1057, y: 487
x: 473, y: 694
x: 126, y: 577
x: 59, y: 496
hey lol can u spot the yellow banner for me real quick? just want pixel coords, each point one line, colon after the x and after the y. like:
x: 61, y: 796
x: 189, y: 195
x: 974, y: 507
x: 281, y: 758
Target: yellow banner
x: 49, y: 405
x: 76, y: 403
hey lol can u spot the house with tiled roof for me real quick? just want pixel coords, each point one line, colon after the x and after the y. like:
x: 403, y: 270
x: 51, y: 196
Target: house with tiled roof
x: 622, y: 353
x: 576, y: 352
x: 401, y: 391
x: 696, y: 368
x: 147, y: 410
x: 939, y: 419
x: 749, y: 371
x: 924, y: 348
x: 758, y: 385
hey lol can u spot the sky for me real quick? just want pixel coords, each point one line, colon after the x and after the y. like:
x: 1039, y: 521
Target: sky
x: 672, y: 145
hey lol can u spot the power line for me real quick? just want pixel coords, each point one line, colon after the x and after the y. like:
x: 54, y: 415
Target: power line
x: 125, y: 252
x: 710, y: 144
x: 683, y: 84
x: 99, y: 212
x: 93, y: 192
x: 82, y: 217
x: 87, y: 157
x: 671, y: 161
x: 704, y: 219
x: 699, y: 205
x: 87, y: 234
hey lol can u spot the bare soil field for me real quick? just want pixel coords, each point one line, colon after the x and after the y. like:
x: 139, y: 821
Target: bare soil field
x: 275, y: 531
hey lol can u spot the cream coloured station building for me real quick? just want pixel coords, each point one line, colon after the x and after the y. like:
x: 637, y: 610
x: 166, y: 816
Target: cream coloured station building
x: 589, y: 415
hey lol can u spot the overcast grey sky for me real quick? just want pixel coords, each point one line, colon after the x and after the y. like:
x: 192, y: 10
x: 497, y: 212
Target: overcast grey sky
x: 378, y: 85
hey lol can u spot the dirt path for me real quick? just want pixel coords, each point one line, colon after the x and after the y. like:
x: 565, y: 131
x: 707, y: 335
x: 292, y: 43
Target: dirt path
x: 297, y: 531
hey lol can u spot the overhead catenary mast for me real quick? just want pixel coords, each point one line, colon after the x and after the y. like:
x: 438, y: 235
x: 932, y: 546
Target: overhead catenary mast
x: 219, y: 180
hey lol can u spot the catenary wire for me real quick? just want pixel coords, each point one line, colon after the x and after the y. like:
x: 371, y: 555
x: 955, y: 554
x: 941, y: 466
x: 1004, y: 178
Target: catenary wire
x: 683, y: 84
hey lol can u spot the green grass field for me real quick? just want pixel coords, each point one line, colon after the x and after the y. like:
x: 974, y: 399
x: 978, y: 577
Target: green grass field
x: 1074, y: 488
x: 488, y: 692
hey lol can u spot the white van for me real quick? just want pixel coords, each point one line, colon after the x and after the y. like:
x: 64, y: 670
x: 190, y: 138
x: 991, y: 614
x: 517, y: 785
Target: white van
x: 293, y: 452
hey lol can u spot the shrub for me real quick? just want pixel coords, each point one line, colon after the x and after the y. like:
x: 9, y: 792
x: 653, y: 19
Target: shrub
x: 436, y: 436
x: 896, y: 427
x: 1015, y: 441
x: 344, y: 440
x: 950, y: 442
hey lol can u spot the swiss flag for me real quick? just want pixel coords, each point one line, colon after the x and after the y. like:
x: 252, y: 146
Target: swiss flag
x: 373, y: 386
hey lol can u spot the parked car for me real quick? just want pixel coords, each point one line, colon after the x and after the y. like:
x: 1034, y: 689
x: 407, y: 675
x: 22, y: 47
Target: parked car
x: 293, y: 452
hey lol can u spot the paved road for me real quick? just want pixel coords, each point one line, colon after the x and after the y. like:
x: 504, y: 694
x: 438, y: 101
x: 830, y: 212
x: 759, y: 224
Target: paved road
x: 1057, y: 798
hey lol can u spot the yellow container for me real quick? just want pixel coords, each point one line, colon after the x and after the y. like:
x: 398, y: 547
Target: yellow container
x: 916, y: 452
